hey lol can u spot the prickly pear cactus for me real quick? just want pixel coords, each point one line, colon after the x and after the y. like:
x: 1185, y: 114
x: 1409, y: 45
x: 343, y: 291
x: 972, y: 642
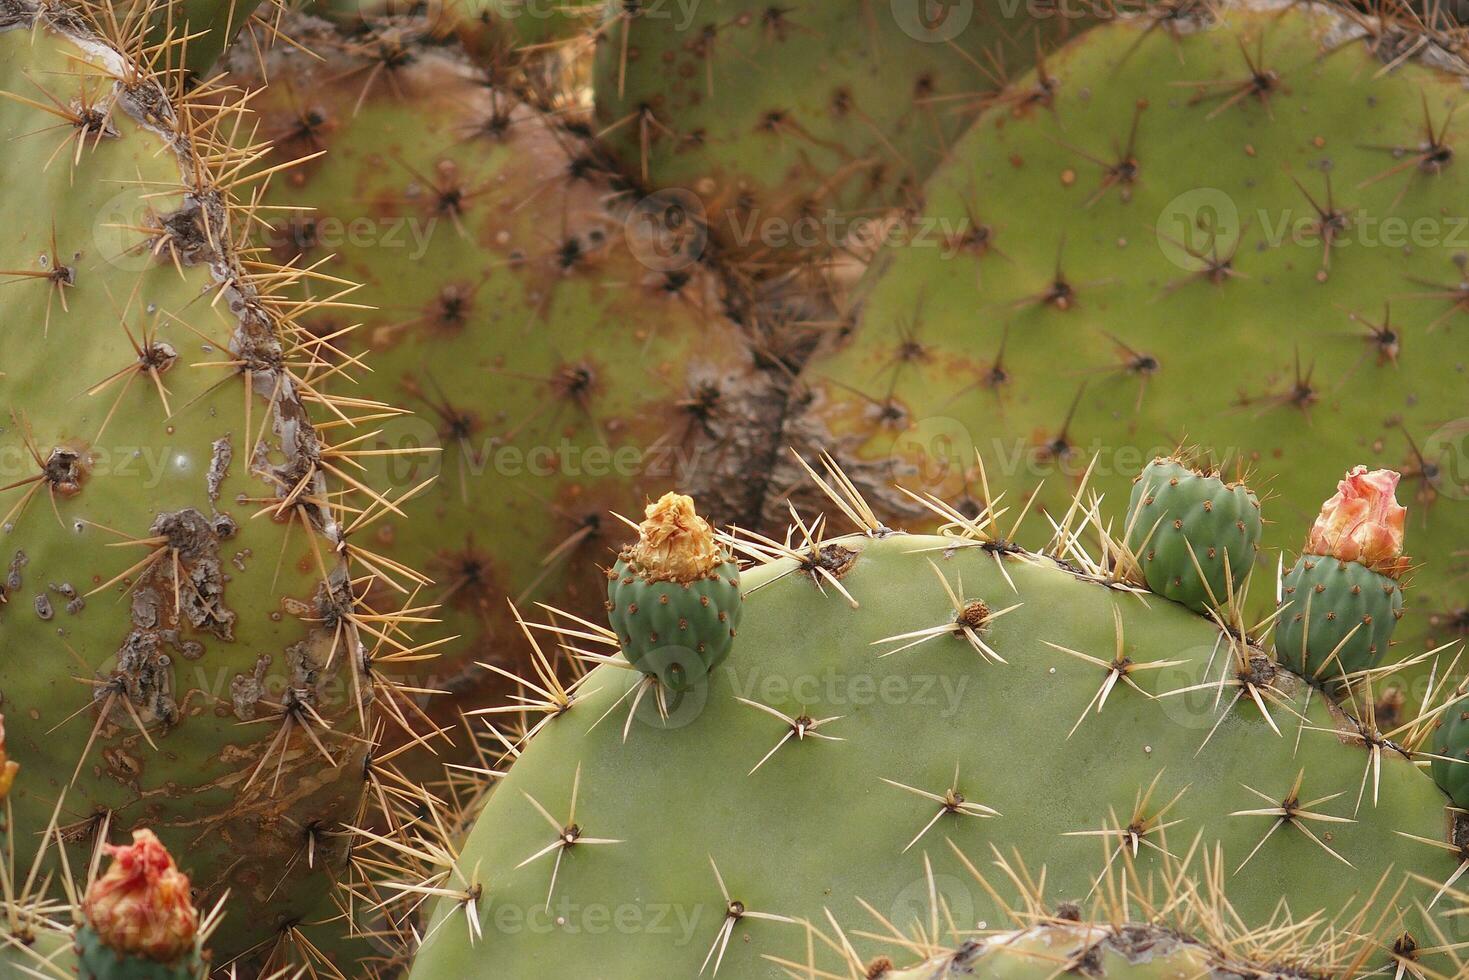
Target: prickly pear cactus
x: 789, y: 127
x: 177, y: 598
x: 563, y: 362
x: 1195, y: 535
x: 1232, y: 226
x: 896, y: 710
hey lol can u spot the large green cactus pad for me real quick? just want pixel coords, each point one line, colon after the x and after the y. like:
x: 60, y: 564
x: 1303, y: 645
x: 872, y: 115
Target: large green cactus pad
x: 176, y: 610
x: 840, y: 813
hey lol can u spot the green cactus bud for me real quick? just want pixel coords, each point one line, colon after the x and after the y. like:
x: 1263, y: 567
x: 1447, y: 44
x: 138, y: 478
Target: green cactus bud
x: 1450, y: 767
x: 673, y: 598
x: 1182, y: 523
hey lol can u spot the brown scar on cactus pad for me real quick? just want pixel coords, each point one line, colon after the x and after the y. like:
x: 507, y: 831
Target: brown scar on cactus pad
x: 194, y: 631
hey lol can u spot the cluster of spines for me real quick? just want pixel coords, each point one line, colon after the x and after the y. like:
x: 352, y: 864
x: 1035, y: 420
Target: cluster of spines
x: 205, y: 124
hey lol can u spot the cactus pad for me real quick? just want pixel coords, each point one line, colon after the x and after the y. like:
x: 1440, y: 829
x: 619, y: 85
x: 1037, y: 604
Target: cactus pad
x: 860, y: 739
x: 1158, y: 258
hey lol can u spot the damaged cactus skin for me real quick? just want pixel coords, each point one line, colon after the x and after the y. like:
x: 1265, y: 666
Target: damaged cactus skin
x: 172, y: 551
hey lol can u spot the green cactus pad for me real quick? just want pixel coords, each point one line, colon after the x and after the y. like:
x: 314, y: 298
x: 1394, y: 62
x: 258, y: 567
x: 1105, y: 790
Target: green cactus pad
x: 45, y: 952
x: 1327, y: 599
x: 97, y: 961
x: 816, y: 772
x: 179, y: 610
x: 1181, y: 522
x: 790, y: 127
x: 1144, y: 264
x: 678, y: 631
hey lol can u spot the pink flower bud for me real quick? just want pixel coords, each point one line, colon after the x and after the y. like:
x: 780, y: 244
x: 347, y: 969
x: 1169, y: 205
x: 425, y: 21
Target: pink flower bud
x: 1363, y: 523
x: 141, y: 906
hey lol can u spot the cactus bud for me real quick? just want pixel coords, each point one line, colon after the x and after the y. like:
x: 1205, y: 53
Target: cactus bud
x: 8, y: 769
x: 1343, y: 591
x: 1363, y: 523
x: 141, y: 906
x: 673, y: 598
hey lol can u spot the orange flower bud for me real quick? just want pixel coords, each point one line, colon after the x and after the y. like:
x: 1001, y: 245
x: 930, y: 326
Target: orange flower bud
x: 1363, y: 522
x: 8, y: 769
x: 141, y: 906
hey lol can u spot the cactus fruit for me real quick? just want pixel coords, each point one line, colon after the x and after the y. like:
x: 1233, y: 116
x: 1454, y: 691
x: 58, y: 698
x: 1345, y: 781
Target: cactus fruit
x: 1450, y: 763
x: 673, y: 598
x: 853, y: 744
x: 181, y: 610
x: 1243, y: 216
x: 1195, y: 535
x: 563, y: 364
x: 788, y: 126
x: 1342, y: 599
